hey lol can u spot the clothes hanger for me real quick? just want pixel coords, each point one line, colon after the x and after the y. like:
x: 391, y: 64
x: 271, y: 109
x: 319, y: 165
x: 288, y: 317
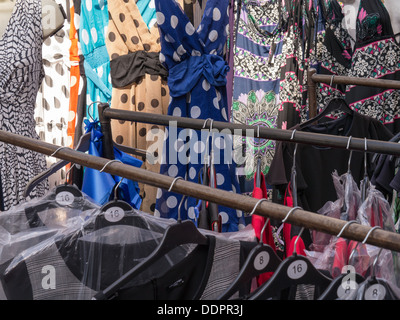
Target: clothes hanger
x: 258, y: 167
x: 83, y: 146
x: 212, y: 214
x: 177, y: 234
x: 364, y: 184
x: 336, y: 104
x: 346, y: 283
x: 377, y: 288
x: 295, y: 269
x: 262, y: 258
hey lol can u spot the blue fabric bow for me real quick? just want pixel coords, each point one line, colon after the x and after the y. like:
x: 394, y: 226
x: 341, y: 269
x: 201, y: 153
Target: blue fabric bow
x: 184, y: 76
x: 99, y: 185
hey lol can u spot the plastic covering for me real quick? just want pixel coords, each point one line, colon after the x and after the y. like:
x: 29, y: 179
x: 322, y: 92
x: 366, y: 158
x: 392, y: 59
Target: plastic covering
x: 87, y: 249
x: 334, y: 254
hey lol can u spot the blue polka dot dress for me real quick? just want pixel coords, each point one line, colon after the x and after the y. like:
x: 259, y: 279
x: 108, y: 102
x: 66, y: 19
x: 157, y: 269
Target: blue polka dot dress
x: 197, y: 84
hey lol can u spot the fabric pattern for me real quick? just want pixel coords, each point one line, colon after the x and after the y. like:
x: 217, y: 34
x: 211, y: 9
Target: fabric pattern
x: 52, y: 102
x: 257, y: 60
x: 92, y: 33
x: 197, y: 85
x: 139, y: 84
x: 21, y: 73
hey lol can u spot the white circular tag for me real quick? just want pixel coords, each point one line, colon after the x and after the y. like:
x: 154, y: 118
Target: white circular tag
x: 65, y: 198
x: 114, y: 214
x: 261, y: 260
x: 375, y: 292
x: 297, y: 269
x: 346, y: 289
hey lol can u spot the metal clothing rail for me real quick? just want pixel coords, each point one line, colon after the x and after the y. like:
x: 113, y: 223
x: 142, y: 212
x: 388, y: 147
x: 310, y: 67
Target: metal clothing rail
x: 317, y: 139
x: 377, y: 237
x: 314, y: 78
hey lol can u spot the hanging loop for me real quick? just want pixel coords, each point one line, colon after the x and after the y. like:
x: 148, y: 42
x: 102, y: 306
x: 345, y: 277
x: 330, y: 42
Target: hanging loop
x: 102, y: 169
x: 290, y: 212
x: 116, y: 188
x: 179, y: 208
x: 345, y: 226
x: 331, y: 81
x: 364, y: 241
x: 256, y: 205
x: 293, y: 133
x: 263, y: 230
x: 68, y: 172
x: 351, y: 154
x: 375, y: 261
x: 58, y: 149
x: 173, y: 182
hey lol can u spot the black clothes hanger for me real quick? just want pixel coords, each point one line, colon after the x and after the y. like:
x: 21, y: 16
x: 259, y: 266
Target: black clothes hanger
x: 83, y: 146
x: 374, y: 288
x: 294, y: 270
x: 336, y: 104
x: 177, y: 234
x: 262, y: 258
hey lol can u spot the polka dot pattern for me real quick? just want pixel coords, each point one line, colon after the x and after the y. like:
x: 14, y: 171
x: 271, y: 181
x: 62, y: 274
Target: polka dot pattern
x: 130, y: 31
x: 184, y: 157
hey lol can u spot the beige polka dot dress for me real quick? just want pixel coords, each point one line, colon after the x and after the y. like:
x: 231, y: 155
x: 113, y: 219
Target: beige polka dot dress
x: 128, y: 34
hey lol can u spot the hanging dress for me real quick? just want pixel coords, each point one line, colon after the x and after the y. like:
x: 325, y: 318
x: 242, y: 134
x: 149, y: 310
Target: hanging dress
x: 52, y: 101
x: 257, y: 60
x: 138, y: 83
x: 92, y: 32
x: 21, y: 73
x: 376, y: 55
x: 334, y: 50
x: 197, y: 84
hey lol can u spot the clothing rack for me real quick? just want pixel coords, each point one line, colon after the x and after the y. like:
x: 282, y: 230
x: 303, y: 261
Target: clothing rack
x: 323, y: 140
x: 377, y: 237
x: 313, y: 78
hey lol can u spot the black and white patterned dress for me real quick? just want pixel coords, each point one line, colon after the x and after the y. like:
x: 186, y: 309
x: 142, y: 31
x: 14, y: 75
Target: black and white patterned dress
x: 21, y: 72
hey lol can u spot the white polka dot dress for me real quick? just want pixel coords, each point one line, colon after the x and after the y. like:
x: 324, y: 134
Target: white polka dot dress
x: 197, y: 85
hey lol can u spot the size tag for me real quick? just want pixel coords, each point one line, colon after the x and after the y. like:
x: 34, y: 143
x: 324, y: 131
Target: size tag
x: 375, y: 292
x: 65, y: 198
x: 261, y: 260
x: 114, y: 214
x: 297, y: 269
x: 346, y: 289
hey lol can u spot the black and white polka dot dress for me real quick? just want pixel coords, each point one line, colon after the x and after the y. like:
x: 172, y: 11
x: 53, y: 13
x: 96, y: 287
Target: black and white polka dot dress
x: 21, y: 72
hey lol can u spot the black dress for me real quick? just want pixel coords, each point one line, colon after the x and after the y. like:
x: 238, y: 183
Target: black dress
x: 376, y: 55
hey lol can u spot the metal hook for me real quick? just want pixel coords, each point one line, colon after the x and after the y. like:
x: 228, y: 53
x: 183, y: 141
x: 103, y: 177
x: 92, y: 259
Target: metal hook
x: 262, y: 231
x: 293, y: 132
x: 375, y: 261
x: 205, y: 122
x: 258, y: 202
x: 345, y: 226
x: 365, y: 155
x: 88, y: 108
x: 58, y: 149
x: 351, y: 154
x: 102, y: 169
x: 173, y: 182
x: 68, y: 171
x: 116, y: 188
x: 290, y: 212
x: 258, y: 131
x: 331, y: 81
x: 179, y: 208
x: 364, y: 241
x: 297, y: 239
